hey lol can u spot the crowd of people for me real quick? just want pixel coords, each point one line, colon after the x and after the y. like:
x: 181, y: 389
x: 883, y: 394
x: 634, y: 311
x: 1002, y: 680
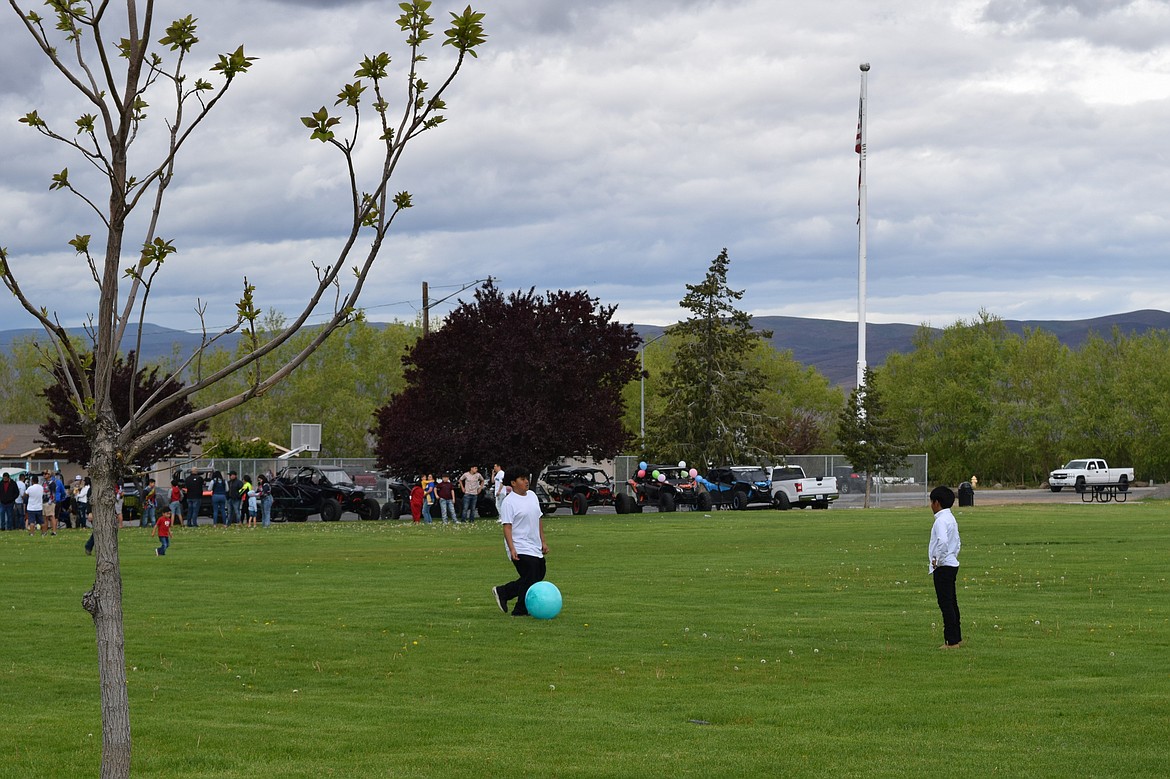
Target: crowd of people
x: 43, y: 503
x: 234, y: 500
x: 431, y: 494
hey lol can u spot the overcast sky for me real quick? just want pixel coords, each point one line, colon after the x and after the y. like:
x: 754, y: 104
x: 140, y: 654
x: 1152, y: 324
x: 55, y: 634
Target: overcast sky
x: 1017, y: 159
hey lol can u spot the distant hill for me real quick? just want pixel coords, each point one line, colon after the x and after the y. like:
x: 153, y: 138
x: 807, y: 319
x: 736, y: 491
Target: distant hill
x: 831, y: 345
x: 157, y: 341
x: 827, y: 344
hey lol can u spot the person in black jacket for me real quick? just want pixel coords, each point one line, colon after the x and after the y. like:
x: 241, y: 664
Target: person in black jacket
x: 234, y: 486
x: 9, y: 492
x: 193, y: 492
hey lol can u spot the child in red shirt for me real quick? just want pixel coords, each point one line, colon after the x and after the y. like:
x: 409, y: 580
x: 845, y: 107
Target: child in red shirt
x: 416, y: 502
x: 162, y: 528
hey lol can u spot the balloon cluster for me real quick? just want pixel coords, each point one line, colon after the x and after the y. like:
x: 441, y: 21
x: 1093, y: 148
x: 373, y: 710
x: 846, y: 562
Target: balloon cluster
x: 659, y: 476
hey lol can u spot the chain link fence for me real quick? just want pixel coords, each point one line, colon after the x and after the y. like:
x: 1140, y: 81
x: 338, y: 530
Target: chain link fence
x: 907, y: 485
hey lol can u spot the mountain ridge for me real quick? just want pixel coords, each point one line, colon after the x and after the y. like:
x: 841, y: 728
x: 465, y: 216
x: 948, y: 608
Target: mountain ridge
x: 829, y: 345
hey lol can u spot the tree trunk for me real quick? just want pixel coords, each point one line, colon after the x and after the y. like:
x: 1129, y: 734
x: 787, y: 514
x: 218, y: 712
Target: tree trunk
x: 104, y: 603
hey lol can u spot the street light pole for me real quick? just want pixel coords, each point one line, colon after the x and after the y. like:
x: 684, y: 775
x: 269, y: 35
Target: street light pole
x: 642, y: 381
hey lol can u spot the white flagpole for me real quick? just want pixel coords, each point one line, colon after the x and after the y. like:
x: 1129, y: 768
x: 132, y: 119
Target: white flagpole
x: 861, y: 223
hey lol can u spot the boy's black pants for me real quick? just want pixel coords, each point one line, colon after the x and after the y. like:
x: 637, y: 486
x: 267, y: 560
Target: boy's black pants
x: 530, y: 570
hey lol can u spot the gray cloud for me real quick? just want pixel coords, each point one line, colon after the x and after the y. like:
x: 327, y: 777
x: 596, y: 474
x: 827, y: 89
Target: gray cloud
x: 1126, y: 24
x: 1014, y: 153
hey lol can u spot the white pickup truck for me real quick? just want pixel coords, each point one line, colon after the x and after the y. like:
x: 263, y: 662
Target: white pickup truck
x: 790, y: 487
x: 1080, y: 474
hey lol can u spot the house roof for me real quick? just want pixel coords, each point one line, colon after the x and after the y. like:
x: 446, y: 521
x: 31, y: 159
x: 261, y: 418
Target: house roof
x: 19, y: 442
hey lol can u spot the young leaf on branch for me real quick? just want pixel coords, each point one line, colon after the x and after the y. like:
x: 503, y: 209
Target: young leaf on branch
x: 466, y: 31
x: 246, y: 307
x: 350, y: 94
x: 32, y: 119
x: 60, y: 180
x: 319, y: 122
x: 68, y: 14
x: 373, y: 67
x: 233, y: 64
x: 80, y: 244
x: 416, y: 20
x: 125, y: 48
x: 181, y: 35
x: 370, y: 210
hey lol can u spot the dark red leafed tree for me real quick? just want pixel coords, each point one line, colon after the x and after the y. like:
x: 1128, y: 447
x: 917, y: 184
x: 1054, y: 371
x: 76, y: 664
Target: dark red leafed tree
x: 521, y: 378
x: 66, y: 431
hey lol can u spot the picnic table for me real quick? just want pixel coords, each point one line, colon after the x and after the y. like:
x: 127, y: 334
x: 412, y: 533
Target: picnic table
x: 1104, y: 493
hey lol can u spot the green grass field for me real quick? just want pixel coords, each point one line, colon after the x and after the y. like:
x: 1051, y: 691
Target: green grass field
x: 733, y: 644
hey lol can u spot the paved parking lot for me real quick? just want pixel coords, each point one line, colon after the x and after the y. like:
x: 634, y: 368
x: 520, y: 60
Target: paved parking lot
x: 907, y: 498
x: 900, y: 498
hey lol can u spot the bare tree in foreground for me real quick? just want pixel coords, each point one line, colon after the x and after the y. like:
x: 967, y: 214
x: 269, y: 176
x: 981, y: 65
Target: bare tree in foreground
x: 109, y: 60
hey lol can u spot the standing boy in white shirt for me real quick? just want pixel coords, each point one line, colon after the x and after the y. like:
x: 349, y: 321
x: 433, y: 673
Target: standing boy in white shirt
x: 944, y: 563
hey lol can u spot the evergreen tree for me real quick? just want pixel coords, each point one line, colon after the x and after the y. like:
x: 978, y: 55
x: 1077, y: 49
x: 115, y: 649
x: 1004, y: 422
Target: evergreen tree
x: 868, y: 435
x: 712, y: 391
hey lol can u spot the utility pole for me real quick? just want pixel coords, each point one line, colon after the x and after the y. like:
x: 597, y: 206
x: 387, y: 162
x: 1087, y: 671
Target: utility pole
x: 427, y: 305
x: 426, y: 309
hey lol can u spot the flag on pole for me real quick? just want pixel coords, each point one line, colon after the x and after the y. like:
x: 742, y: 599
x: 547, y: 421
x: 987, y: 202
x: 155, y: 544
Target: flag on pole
x: 857, y: 148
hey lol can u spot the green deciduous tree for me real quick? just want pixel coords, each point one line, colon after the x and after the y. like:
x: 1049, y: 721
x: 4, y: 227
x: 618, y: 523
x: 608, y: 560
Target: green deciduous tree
x: 711, y: 391
x: 231, y: 447
x: 1117, y: 389
x: 799, y: 406
x: 339, y: 387
x: 114, y: 60
x: 942, y: 394
x: 1027, y: 421
x: 642, y: 397
x: 23, y: 376
x: 1011, y: 407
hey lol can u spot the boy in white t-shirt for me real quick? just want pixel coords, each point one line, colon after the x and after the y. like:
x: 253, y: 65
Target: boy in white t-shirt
x: 499, y: 488
x: 520, y: 515
x: 34, y: 506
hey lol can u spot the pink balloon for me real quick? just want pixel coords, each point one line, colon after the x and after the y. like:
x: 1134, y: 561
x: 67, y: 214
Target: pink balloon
x: 662, y: 477
x: 693, y: 473
x: 641, y: 473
